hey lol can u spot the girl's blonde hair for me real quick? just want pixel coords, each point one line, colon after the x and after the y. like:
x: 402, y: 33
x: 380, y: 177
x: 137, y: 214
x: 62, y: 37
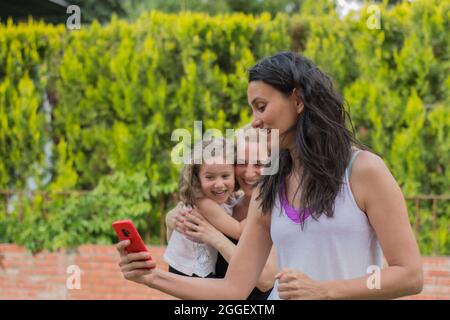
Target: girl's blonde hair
x: 189, y: 184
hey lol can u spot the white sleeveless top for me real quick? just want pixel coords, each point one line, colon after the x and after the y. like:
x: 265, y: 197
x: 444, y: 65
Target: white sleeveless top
x: 190, y: 257
x: 337, y: 248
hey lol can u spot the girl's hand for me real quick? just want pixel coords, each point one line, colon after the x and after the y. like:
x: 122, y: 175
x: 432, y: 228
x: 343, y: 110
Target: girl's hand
x: 199, y: 229
x: 171, y: 216
x: 135, y: 266
x: 180, y: 220
x: 295, y: 285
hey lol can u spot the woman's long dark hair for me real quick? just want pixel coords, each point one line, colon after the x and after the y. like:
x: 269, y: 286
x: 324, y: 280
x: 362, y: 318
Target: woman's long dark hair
x: 322, y: 140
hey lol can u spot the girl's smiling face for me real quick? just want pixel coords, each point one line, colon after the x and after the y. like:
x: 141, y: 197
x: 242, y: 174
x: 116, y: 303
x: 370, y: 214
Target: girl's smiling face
x: 217, y: 181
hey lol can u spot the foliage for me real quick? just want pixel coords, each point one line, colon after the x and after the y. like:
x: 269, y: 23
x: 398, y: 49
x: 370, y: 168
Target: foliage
x: 25, y: 54
x: 396, y: 83
x: 117, y: 91
x: 65, y: 221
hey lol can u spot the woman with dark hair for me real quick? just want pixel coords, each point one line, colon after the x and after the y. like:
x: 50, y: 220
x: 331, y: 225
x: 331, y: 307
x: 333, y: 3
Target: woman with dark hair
x: 331, y: 211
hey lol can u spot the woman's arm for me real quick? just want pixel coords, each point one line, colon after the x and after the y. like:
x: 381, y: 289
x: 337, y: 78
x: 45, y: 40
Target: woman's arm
x: 378, y: 194
x: 198, y: 228
x: 243, y: 272
x: 171, y: 219
x: 267, y: 279
x: 217, y: 216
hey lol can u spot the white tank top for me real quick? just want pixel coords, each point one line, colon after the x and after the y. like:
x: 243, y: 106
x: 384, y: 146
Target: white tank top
x: 337, y: 248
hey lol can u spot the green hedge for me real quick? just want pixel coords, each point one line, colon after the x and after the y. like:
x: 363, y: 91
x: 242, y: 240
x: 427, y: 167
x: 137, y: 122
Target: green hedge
x: 119, y: 90
x: 396, y: 81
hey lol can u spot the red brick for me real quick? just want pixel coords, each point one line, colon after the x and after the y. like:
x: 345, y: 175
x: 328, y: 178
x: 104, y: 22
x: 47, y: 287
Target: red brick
x: 97, y: 250
x: 43, y: 271
x: 45, y: 264
x: 443, y: 282
x: 438, y: 273
x: 429, y: 281
x: 8, y: 261
x: 43, y: 276
x: 436, y: 261
x: 12, y: 248
x: 442, y: 290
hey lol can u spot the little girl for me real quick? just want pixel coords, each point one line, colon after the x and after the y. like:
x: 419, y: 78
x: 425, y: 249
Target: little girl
x: 210, y: 187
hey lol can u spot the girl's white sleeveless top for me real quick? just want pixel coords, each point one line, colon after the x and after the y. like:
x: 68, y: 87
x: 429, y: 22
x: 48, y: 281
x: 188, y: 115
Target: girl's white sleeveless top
x: 190, y: 257
x: 342, y: 247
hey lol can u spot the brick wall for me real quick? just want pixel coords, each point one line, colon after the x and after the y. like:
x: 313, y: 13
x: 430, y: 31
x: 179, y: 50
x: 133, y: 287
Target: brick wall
x: 43, y: 276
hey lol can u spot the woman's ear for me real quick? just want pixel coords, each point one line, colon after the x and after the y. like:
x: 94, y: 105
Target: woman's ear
x: 299, y: 106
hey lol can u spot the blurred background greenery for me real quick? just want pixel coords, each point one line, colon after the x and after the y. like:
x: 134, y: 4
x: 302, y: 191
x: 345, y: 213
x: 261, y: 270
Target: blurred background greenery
x: 86, y: 115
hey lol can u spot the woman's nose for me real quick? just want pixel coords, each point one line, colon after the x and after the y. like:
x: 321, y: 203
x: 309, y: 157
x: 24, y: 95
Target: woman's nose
x: 257, y: 123
x: 249, y: 172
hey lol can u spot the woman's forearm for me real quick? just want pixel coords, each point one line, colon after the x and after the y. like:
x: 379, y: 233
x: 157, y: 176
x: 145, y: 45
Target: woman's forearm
x: 195, y: 288
x: 170, y: 219
x: 224, y: 246
x: 169, y: 229
x: 227, y: 250
x: 266, y: 280
x: 392, y: 282
x: 168, y: 233
x: 246, y: 264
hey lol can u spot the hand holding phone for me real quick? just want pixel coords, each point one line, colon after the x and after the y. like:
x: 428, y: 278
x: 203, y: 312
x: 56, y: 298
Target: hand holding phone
x: 126, y: 230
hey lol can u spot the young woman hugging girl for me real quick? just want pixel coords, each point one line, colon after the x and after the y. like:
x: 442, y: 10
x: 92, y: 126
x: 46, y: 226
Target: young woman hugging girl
x: 210, y: 187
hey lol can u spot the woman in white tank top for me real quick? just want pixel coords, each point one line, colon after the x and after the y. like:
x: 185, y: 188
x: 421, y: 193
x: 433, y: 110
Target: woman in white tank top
x: 329, y: 211
x: 342, y: 247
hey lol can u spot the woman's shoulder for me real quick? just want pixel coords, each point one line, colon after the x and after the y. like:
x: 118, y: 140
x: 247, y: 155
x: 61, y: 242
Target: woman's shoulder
x: 368, y: 163
x: 368, y: 173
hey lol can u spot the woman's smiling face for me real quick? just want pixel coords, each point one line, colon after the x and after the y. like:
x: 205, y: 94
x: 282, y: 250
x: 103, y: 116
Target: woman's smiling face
x: 247, y: 173
x: 272, y: 110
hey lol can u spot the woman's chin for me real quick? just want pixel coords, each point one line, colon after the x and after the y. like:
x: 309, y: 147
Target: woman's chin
x: 248, y: 193
x: 248, y: 190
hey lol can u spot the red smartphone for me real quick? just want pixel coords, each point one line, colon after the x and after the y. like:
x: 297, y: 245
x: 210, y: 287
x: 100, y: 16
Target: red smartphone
x: 126, y: 230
